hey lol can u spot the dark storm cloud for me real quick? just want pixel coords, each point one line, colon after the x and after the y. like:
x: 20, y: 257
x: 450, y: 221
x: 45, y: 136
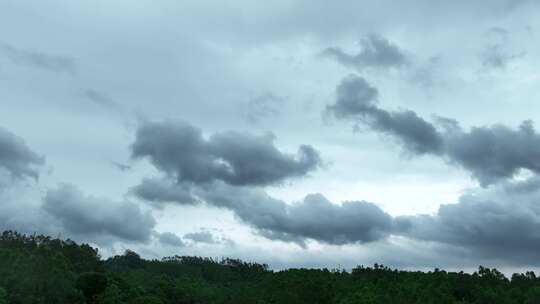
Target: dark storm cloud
x: 502, y: 222
x: 91, y: 217
x: 180, y: 150
x: 170, y: 239
x: 17, y: 158
x: 490, y: 153
x: 263, y: 106
x: 376, y: 52
x: 35, y: 59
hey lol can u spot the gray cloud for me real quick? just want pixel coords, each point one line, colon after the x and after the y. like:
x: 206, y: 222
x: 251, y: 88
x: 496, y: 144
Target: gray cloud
x: 376, y: 52
x: 495, y: 56
x: 502, y: 222
x: 429, y: 73
x: 17, y: 158
x: 35, y: 59
x: 20, y: 209
x: 313, y: 218
x: 100, y: 98
x: 120, y: 166
x: 354, y: 96
x: 489, y: 153
x: 180, y: 150
x: 263, y: 106
x: 357, y: 99
x: 206, y: 237
x: 97, y: 219
x: 202, y: 237
x: 498, y: 31
x: 496, y: 152
x: 170, y: 239
x: 161, y: 191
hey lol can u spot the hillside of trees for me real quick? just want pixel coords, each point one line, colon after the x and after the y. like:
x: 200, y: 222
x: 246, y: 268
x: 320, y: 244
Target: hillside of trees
x: 40, y: 269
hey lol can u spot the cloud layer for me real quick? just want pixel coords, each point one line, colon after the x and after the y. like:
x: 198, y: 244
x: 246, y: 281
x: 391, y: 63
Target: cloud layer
x: 194, y: 174
x: 482, y: 224
x: 254, y: 68
x: 499, y: 223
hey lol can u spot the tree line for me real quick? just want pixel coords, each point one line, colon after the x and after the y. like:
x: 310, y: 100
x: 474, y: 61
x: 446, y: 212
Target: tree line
x: 41, y: 269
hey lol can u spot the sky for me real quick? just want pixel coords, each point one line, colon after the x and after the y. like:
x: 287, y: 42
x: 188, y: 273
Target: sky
x: 294, y: 133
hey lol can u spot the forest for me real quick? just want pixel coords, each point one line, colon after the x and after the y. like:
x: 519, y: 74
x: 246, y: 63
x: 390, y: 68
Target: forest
x: 41, y: 269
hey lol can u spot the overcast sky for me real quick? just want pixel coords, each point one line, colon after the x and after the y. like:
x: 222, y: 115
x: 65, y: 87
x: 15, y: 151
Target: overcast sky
x: 295, y: 133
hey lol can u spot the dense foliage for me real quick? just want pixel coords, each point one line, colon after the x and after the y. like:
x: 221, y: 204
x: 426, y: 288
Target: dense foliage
x: 39, y: 269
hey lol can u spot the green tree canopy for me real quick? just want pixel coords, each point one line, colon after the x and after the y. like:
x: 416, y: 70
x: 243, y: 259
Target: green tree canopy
x: 91, y: 284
